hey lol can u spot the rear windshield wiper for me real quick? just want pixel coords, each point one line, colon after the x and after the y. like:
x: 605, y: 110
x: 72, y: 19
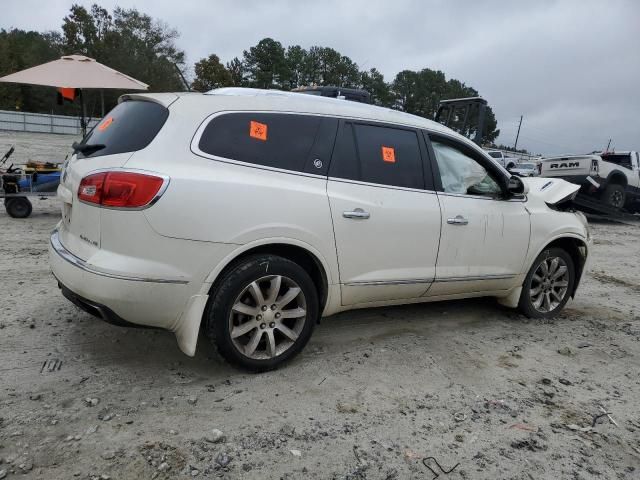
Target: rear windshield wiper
x: 87, y: 148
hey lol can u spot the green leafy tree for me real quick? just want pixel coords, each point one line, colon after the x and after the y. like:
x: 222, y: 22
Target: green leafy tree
x: 265, y: 64
x: 373, y: 82
x: 295, y: 58
x: 19, y: 50
x: 236, y: 70
x: 420, y: 93
x: 210, y: 74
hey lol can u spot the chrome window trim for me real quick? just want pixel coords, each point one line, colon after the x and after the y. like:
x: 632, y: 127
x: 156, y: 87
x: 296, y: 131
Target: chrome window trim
x: 195, y: 149
x: 521, y: 198
x: 81, y: 264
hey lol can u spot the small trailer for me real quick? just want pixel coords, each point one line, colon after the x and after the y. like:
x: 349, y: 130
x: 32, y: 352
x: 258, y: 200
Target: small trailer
x: 20, y: 183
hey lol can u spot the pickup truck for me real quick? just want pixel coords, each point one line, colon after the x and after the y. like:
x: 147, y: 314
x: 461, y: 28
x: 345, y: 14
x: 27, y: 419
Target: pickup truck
x: 613, y: 177
x: 506, y: 161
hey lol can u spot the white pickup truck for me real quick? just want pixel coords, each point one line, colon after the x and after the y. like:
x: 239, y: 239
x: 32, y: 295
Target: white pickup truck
x: 506, y: 161
x: 613, y: 177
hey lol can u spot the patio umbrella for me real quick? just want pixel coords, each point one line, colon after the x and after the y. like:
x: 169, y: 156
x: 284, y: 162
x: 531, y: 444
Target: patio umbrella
x: 77, y: 72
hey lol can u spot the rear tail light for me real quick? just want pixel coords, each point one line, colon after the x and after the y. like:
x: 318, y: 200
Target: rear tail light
x: 120, y: 189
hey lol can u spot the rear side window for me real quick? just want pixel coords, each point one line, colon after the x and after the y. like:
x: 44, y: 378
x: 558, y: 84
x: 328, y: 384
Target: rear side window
x: 278, y: 140
x: 129, y: 127
x: 378, y: 154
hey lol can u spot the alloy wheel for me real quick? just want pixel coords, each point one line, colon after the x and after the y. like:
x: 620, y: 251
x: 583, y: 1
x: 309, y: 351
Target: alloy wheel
x: 267, y: 317
x: 549, y: 284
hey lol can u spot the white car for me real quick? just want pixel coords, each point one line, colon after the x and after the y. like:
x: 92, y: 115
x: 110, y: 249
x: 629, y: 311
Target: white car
x: 250, y: 214
x: 526, y: 169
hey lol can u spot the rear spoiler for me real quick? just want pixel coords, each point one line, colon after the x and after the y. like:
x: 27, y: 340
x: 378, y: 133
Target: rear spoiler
x: 164, y: 99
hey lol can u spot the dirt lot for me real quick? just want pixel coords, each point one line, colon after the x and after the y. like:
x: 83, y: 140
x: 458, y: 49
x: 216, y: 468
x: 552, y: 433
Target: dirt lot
x: 375, y: 393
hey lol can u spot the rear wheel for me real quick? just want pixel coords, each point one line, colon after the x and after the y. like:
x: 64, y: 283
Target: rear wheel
x: 18, y: 207
x: 548, y: 284
x: 263, y: 312
x: 614, y: 195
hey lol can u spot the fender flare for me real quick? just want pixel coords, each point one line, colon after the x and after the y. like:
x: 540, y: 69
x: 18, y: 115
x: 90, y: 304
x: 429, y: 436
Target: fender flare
x: 614, y: 174
x: 556, y: 237
x: 224, y: 263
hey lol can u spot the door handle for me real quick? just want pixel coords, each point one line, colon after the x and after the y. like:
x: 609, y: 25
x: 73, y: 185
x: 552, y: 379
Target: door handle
x: 457, y: 220
x: 356, y: 213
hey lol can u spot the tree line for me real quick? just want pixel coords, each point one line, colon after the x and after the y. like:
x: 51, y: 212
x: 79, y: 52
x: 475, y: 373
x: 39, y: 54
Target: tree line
x: 144, y: 48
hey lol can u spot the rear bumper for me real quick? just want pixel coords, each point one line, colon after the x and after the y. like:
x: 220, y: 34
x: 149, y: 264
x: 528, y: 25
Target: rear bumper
x: 126, y: 299
x: 97, y: 310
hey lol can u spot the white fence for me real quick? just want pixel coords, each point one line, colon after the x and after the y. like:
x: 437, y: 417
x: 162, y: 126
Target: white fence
x: 42, y: 122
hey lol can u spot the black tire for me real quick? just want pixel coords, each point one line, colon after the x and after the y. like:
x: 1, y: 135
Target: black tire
x: 231, y: 286
x: 18, y: 207
x: 526, y: 305
x: 614, y: 195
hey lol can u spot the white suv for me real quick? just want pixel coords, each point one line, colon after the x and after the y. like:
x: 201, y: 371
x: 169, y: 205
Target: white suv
x: 252, y: 213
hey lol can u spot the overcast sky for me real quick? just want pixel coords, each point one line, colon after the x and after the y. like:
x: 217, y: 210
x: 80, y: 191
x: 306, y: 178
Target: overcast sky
x: 572, y: 68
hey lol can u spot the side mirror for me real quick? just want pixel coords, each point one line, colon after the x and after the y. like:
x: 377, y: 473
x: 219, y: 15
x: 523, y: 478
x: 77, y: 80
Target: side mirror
x: 516, y: 186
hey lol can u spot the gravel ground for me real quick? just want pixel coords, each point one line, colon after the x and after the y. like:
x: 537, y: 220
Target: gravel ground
x: 39, y: 147
x: 373, y: 396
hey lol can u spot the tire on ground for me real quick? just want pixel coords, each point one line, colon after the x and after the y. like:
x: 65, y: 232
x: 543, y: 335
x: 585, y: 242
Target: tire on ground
x: 525, y: 304
x: 18, y: 207
x: 231, y: 285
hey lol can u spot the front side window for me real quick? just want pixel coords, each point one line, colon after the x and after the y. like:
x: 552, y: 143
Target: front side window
x: 462, y: 174
x: 378, y: 154
x: 270, y: 139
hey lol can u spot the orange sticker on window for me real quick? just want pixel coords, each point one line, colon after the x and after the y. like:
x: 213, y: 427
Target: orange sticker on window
x: 106, y: 123
x: 389, y: 154
x: 258, y: 130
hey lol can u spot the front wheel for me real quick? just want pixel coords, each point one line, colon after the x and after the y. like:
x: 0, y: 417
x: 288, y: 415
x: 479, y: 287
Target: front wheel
x: 263, y: 312
x: 548, y: 284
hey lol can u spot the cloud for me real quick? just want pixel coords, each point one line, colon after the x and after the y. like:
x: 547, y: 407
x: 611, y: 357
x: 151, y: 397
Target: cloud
x: 571, y: 68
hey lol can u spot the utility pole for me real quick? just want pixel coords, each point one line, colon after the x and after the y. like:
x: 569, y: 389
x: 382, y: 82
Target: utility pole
x: 515, y: 145
x: 608, y: 145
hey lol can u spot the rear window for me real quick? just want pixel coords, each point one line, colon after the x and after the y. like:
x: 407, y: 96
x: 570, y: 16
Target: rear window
x: 279, y: 140
x: 129, y: 127
x: 622, y: 159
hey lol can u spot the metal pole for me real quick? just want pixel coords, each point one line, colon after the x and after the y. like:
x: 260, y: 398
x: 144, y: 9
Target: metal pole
x: 184, y: 80
x: 83, y: 115
x: 482, y: 113
x: 515, y: 145
x: 102, y: 102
